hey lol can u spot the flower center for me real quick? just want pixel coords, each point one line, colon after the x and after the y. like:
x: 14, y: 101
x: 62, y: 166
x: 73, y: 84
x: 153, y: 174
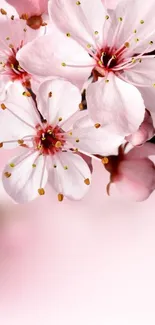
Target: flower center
x: 49, y: 140
x: 108, y: 59
x: 13, y: 68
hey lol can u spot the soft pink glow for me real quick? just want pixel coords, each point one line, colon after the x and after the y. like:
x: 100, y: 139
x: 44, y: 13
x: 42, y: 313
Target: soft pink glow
x: 91, y: 263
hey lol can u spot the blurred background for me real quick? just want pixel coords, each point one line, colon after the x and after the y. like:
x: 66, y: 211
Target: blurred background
x: 77, y: 263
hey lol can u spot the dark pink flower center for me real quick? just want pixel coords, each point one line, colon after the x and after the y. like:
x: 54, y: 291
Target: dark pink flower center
x: 15, y: 71
x: 49, y: 140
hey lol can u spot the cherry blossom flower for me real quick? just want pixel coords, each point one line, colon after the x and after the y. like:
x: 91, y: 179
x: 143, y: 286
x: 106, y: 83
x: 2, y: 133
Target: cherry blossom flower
x: 145, y: 132
x: 13, y: 36
x: 50, y: 146
x: 112, y: 47
x: 32, y: 11
x: 133, y: 173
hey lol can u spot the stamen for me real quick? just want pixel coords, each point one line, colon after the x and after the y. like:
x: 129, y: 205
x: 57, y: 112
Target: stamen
x: 60, y: 197
x: 41, y: 191
x: 87, y: 181
x: 77, y: 66
x: 7, y: 174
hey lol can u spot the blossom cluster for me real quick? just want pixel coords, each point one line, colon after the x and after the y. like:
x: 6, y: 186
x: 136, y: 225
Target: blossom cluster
x: 77, y: 84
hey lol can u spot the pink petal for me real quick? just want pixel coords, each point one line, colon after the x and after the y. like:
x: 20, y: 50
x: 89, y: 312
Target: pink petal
x: 142, y: 73
x: 19, y: 118
x: 136, y: 179
x: 9, y: 9
x: 30, y: 7
x: 132, y: 13
x: 58, y: 99
x: 24, y: 181
x: 116, y: 103
x: 144, y: 133
x: 69, y: 182
x: 81, y: 21
x: 38, y: 58
x: 111, y: 4
x: 86, y: 137
x: 146, y: 150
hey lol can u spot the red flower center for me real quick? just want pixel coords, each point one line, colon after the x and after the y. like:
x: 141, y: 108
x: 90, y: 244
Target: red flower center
x: 49, y: 140
x: 14, y: 69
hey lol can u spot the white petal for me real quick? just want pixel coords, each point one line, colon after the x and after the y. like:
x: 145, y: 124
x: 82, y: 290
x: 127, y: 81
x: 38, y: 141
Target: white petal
x: 116, y: 103
x: 81, y: 21
x: 24, y: 181
x: 69, y: 182
x: 139, y: 16
x: 86, y: 137
x: 19, y: 118
x: 40, y: 59
x: 58, y: 99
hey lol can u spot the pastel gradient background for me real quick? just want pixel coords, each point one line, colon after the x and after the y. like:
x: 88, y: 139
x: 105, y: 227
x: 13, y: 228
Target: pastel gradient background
x: 77, y: 263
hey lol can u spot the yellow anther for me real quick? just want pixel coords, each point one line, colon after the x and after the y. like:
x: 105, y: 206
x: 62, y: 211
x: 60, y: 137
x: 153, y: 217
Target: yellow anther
x: 68, y: 34
x: 142, y: 21
x: 49, y: 132
x: 60, y: 119
x: 3, y: 12
x: 58, y: 144
x: 97, y: 125
x: 7, y: 174
x: 12, y: 165
x: 106, y: 81
x: 24, y: 17
x: 100, y: 63
x: 140, y: 60
x: 87, y: 181
x: 89, y: 46
x: 133, y: 60
x: 96, y: 32
x: 43, y: 138
x: 120, y: 19
x: 11, y: 46
x: 151, y: 42
x: 135, y: 31
x: 77, y: 140
x: 65, y: 167
x: 12, y: 17
x: 7, y: 38
x: 55, y: 166
x: 127, y: 44
x: 63, y: 64
x: 26, y: 93
x: 34, y: 165
x: 154, y: 85
x: 136, y: 40
x: 50, y: 94
x: 106, y: 17
x: 25, y: 30
x: 78, y: 3
x: 20, y: 141
x: 81, y: 106
x: 1, y: 144
x: 41, y: 191
x: 105, y: 160
x: 3, y: 106
x: 60, y: 197
x: 70, y: 133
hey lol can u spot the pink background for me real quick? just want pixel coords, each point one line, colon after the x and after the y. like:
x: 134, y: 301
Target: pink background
x: 77, y: 263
